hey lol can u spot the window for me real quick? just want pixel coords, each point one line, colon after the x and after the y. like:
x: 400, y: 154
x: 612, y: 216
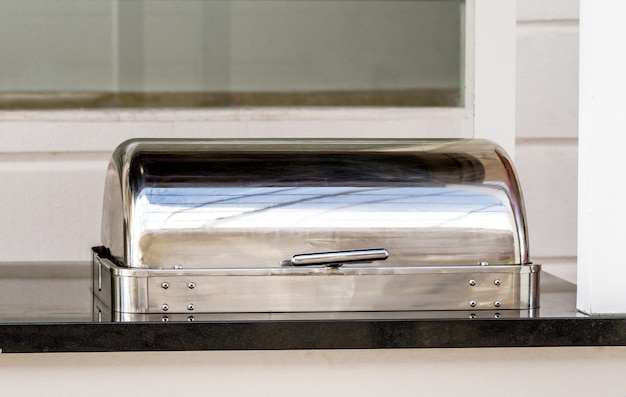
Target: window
x: 242, y: 53
x: 258, y: 68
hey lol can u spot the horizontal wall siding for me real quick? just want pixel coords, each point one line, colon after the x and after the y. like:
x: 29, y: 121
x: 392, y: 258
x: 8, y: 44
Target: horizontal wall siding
x: 547, y: 169
x: 547, y: 127
x: 86, y: 131
x: 50, y: 206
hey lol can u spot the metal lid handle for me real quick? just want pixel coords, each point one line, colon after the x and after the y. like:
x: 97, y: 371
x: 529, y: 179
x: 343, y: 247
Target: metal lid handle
x: 338, y: 258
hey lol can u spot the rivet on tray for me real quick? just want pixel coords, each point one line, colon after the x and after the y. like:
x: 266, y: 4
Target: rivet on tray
x: 191, y: 285
x: 473, y: 303
x: 482, y: 263
x: 191, y: 306
x: 191, y: 318
x: 472, y: 315
x: 165, y: 319
x: 165, y: 285
x: 472, y: 282
x: 497, y: 282
x: 165, y: 307
x: 497, y: 315
x: 178, y: 267
x: 497, y: 304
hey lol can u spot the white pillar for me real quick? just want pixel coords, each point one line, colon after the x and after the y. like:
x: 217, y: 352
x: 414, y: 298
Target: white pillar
x: 602, y: 140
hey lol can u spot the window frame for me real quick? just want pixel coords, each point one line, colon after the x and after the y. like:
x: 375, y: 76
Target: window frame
x: 488, y: 111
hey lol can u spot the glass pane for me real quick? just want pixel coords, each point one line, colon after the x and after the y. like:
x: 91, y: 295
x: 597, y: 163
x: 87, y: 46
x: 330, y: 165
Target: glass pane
x: 194, y: 53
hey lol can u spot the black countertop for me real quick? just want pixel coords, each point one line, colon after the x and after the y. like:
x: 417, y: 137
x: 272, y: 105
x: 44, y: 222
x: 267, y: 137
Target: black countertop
x: 48, y: 308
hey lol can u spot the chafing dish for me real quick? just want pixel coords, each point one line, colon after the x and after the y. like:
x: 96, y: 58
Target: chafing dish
x: 281, y: 226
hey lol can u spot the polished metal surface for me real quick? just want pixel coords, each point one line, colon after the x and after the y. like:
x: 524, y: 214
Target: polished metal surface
x: 195, y: 204
x: 33, y: 293
x: 318, y: 289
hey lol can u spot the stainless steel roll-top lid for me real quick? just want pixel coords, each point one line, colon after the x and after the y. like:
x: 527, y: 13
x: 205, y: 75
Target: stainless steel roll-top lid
x: 276, y: 203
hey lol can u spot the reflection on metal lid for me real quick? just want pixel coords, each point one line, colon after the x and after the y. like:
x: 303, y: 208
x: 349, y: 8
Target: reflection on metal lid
x: 229, y: 204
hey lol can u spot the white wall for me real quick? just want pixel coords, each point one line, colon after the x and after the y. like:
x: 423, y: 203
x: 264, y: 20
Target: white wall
x: 523, y: 372
x: 547, y: 128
